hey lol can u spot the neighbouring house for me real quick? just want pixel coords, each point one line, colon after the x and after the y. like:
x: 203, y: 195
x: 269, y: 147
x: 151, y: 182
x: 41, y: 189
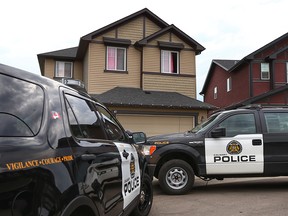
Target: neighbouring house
x: 142, y: 68
x: 259, y: 78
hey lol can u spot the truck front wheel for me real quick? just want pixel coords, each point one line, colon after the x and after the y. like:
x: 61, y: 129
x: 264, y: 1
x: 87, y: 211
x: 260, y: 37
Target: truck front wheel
x: 176, y: 177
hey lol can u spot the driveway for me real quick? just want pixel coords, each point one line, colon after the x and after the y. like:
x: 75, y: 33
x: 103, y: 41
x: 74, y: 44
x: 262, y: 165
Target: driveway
x: 239, y: 196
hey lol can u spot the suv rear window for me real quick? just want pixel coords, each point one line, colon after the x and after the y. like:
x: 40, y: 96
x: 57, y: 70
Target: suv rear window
x: 21, y: 114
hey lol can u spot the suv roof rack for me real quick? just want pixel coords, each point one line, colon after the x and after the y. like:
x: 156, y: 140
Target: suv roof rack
x: 252, y: 106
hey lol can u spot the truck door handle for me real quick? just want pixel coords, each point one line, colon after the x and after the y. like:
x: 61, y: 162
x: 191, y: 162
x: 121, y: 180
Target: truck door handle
x: 88, y: 157
x: 256, y: 142
x: 125, y: 154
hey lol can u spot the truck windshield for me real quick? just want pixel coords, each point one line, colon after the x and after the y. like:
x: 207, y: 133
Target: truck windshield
x: 202, y: 126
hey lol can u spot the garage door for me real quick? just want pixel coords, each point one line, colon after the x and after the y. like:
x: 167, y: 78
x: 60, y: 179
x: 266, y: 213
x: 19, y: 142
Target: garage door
x: 156, y: 124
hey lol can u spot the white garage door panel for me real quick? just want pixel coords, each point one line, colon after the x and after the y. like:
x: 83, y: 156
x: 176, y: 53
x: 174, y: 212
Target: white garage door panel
x: 156, y: 124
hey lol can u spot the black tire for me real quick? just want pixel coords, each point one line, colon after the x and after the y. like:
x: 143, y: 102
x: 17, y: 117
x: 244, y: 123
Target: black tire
x: 176, y: 177
x: 146, y: 197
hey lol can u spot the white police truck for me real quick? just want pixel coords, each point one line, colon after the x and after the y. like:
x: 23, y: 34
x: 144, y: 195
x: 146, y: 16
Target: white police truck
x: 245, y: 142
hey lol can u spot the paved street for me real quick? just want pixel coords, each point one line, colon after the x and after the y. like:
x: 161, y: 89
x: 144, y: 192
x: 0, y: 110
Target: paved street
x: 239, y: 196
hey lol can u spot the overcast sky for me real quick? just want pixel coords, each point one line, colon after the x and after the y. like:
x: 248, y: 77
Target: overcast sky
x: 228, y: 29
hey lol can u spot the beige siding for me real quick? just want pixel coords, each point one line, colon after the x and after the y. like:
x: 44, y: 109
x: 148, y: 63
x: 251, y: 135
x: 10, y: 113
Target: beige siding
x: 151, y: 59
x: 78, y: 71
x: 49, y: 68
x: 150, y: 27
x: 111, y: 34
x: 173, y: 83
x: 101, y: 81
x: 175, y: 39
x: 132, y: 30
x: 187, y: 62
x: 85, y: 70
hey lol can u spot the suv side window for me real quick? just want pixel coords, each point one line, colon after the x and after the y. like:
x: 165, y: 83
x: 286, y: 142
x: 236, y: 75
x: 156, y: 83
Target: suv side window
x: 112, y: 128
x: 83, y: 119
x: 21, y: 114
x: 276, y: 122
x: 239, y: 124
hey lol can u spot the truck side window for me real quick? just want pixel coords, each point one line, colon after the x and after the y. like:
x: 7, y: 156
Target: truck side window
x: 21, y: 113
x: 83, y: 120
x: 276, y: 122
x: 112, y: 128
x: 239, y: 124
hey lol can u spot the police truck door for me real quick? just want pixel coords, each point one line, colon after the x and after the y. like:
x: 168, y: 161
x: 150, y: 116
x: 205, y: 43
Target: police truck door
x: 240, y: 151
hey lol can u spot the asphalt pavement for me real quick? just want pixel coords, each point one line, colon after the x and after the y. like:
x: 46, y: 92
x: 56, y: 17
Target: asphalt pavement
x: 229, y: 197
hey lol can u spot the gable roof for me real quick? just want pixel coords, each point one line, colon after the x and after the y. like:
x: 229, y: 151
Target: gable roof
x: 84, y: 41
x: 252, y: 55
x: 225, y: 64
x: 172, y: 28
x: 79, y: 52
x: 122, y: 96
x: 64, y: 54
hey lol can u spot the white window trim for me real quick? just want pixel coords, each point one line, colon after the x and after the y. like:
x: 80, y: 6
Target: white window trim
x: 115, y: 63
x: 162, y: 61
x: 215, y: 92
x: 56, y: 73
x: 265, y: 71
x: 229, y: 84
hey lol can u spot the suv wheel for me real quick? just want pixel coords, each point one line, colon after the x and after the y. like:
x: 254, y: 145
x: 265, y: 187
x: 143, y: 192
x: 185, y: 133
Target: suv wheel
x: 176, y: 177
x: 146, y: 197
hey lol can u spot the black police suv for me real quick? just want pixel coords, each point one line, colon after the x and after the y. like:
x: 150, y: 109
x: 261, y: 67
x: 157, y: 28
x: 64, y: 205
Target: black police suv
x: 246, y: 142
x: 62, y: 153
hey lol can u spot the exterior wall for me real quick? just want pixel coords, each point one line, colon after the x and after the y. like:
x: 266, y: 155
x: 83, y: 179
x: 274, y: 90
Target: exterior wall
x: 155, y: 80
x: 78, y: 70
x: 239, y: 91
x: 169, y: 83
x: 49, y: 67
x: 101, y: 81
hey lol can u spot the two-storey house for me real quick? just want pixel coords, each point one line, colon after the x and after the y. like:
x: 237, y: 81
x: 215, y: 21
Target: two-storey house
x: 142, y: 68
x: 259, y: 78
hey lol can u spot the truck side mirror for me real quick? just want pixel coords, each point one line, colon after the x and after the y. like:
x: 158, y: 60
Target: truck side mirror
x: 218, y: 132
x: 139, y: 137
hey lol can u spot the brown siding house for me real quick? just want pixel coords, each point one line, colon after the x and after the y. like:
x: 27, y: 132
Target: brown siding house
x: 142, y: 68
x: 259, y: 78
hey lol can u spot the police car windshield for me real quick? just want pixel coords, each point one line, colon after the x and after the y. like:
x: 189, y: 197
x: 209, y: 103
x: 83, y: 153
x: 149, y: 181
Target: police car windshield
x: 202, y: 126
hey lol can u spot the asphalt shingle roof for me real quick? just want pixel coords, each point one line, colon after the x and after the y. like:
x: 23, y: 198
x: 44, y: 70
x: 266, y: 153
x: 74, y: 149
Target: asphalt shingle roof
x: 122, y: 96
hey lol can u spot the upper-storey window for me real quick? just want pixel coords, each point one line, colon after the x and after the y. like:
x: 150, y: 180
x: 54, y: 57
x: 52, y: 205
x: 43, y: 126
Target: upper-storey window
x: 229, y: 84
x: 265, y: 72
x: 63, y: 69
x: 215, y: 91
x: 169, y: 62
x: 116, y: 58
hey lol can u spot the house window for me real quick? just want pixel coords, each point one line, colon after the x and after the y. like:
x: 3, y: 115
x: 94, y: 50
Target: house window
x: 169, y: 61
x: 229, y: 84
x: 63, y: 69
x: 116, y: 58
x: 215, y: 92
x: 265, y: 73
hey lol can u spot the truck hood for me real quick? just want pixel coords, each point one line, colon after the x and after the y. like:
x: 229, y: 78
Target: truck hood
x: 171, y: 138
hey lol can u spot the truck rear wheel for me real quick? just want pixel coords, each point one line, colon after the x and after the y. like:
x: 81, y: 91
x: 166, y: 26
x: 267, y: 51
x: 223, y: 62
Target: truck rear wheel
x: 176, y: 177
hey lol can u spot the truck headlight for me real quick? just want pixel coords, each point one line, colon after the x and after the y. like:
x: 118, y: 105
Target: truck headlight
x: 149, y: 149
